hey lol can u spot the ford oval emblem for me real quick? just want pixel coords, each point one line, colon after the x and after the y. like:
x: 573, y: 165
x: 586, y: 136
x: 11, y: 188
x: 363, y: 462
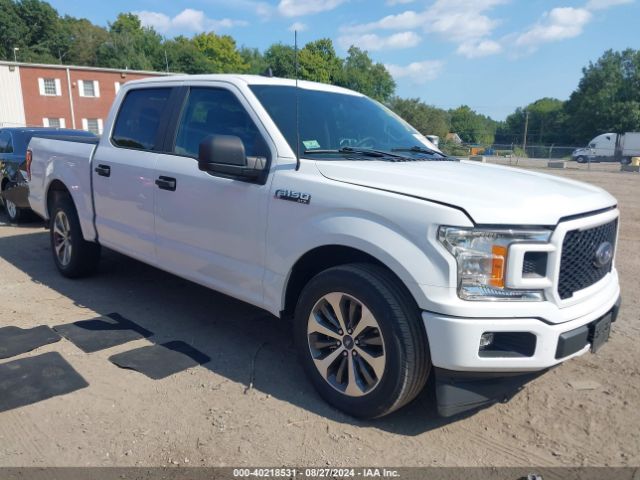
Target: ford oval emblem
x: 604, y: 254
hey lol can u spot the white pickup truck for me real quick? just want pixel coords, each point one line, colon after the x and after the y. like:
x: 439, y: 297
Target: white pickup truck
x: 395, y: 262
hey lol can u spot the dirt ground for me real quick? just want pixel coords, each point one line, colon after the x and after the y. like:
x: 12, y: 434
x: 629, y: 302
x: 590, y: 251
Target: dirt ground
x: 583, y: 413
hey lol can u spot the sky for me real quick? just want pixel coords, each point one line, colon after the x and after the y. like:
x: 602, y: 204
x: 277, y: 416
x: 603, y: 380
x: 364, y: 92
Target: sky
x: 493, y: 55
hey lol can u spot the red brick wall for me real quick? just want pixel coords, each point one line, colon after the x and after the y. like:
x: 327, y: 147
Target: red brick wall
x: 38, y: 106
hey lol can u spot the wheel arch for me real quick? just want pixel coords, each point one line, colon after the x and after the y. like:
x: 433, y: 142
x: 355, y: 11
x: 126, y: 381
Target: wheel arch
x: 322, y: 258
x: 83, y: 208
x: 56, y: 187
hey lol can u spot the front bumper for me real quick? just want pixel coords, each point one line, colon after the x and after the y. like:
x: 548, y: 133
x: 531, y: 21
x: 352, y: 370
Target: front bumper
x: 466, y: 381
x: 455, y: 341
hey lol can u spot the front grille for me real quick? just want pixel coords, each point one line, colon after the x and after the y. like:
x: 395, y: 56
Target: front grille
x: 578, y: 268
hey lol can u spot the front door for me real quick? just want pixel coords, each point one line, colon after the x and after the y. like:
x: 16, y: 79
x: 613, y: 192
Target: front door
x: 209, y: 228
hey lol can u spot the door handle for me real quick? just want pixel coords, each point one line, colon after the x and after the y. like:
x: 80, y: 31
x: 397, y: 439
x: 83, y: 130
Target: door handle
x: 103, y: 170
x: 166, y: 183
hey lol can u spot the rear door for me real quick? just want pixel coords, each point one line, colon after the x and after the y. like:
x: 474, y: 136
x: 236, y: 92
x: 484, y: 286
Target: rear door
x: 123, y: 172
x: 211, y: 228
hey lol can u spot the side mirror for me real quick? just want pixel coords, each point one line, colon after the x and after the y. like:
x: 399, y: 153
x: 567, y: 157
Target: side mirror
x: 221, y: 150
x: 225, y: 154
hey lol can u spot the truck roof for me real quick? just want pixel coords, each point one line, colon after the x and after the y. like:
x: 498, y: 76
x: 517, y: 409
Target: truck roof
x: 237, y: 79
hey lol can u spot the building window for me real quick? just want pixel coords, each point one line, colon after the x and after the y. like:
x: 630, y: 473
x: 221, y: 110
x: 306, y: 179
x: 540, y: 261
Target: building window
x: 88, y: 88
x: 49, y: 87
x: 53, y: 122
x: 93, y: 125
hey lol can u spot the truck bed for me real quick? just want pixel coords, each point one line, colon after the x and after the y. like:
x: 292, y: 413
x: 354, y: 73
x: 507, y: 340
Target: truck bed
x: 67, y: 160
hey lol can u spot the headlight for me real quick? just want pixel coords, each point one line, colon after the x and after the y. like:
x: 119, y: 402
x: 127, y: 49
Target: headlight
x: 481, y: 256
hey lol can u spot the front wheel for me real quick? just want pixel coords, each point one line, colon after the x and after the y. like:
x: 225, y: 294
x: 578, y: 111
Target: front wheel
x: 73, y: 256
x: 581, y: 159
x: 361, y: 340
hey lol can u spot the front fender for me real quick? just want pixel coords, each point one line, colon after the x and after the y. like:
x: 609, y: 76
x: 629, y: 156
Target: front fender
x: 411, y: 253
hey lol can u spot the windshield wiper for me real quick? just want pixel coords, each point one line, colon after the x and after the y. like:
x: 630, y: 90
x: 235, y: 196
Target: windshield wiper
x: 365, y: 152
x: 418, y: 149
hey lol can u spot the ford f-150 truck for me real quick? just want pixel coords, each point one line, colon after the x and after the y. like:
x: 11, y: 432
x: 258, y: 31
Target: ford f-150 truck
x: 395, y: 262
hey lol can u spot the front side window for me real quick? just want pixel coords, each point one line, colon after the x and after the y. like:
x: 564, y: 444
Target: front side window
x: 138, y: 120
x: 331, y: 120
x: 216, y: 111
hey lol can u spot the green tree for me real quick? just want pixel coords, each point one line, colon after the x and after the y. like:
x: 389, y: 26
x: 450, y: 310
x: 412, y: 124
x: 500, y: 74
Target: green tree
x: 471, y: 126
x: 221, y: 53
x: 13, y: 30
x: 184, y: 57
x: 254, y: 59
x: 318, y: 62
x: 130, y: 45
x: 281, y: 59
x: 426, y: 119
x: 44, y: 36
x: 547, y: 124
x: 360, y: 73
x: 83, y: 41
x: 607, y: 98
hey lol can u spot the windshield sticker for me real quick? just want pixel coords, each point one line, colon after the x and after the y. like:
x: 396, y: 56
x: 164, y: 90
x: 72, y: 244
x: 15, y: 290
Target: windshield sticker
x: 311, y: 144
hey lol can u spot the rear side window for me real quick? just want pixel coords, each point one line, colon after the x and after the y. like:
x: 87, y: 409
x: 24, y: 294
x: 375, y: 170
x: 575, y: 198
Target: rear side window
x: 138, y: 120
x: 217, y: 111
x: 5, y: 143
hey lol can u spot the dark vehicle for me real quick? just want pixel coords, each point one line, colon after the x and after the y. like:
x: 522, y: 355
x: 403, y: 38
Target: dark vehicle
x: 13, y: 149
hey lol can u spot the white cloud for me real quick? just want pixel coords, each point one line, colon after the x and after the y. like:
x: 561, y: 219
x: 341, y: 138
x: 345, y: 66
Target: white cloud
x: 372, y: 41
x: 558, y: 24
x: 298, y: 26
x: 298, y: 8
x: 464, y: 22
x: 189, y: 20
x: 604, y: 4
x: 417, y: 72
x: 461, y: 20
x: 392, y: 3
x: 476, y: 49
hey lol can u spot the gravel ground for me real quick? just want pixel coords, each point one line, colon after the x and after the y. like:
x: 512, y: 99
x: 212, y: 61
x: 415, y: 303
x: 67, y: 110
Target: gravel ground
x: 251, y: 404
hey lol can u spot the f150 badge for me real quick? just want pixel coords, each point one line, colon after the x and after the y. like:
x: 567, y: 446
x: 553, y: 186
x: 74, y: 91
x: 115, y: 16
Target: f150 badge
x: 298, y: 197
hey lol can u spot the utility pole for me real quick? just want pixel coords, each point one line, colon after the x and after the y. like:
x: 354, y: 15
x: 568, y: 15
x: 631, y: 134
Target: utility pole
x: 526, y: 128
x: 166, y: 60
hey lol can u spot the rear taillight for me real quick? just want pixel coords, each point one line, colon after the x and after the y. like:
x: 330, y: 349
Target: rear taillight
x: 28, y: 158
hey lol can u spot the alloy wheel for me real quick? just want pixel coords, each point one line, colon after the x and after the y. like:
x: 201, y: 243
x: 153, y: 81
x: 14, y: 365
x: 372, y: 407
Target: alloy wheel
x: 62, y: 238
x: 346, y: 344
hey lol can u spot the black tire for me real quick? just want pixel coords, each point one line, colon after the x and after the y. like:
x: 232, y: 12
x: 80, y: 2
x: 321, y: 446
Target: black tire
x: 15, y: 214
x: 406, y: 349
x: 581, y: 159
x: 83, y: 256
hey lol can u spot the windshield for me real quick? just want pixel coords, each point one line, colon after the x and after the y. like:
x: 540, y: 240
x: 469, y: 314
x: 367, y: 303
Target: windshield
x: 334, y: 121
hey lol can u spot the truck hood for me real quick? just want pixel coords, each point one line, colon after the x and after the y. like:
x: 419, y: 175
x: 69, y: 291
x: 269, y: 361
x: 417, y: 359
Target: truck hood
x: 490, y: 194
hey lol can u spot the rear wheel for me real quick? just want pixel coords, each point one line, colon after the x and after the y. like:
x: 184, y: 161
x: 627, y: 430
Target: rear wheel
x: 14, y: 213
x: 361, y: 340
x: 73, y: 256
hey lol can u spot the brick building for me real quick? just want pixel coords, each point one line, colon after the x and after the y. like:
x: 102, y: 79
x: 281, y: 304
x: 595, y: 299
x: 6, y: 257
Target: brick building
x: 60, y: 95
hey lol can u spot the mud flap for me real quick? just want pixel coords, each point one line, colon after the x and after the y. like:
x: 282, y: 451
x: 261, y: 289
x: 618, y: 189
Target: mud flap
x: 458, y: 392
